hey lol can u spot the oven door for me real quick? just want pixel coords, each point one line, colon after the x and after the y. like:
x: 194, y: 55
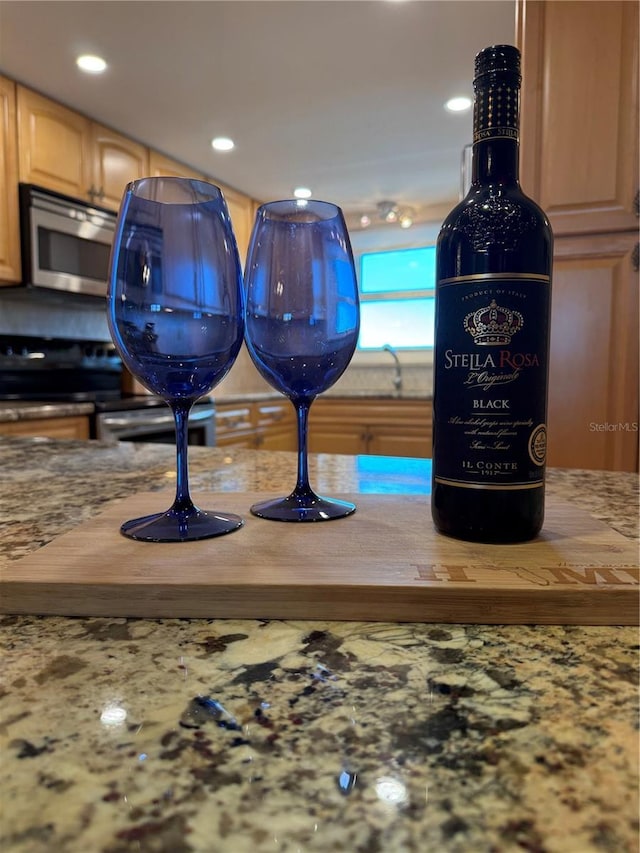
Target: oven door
x: 156, y: 425
x: 67, y: 244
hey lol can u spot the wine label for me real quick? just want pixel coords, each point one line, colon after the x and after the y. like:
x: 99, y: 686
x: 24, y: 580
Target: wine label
x: 491, y: 368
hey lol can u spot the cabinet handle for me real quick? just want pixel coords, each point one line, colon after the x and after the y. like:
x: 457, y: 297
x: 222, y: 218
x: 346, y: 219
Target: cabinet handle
x: 231, y: 423
x: 93, y: 193
x: 635, y: 258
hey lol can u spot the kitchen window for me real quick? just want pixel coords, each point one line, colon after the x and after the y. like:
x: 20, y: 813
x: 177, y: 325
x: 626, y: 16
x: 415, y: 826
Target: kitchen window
x: 397, y: 298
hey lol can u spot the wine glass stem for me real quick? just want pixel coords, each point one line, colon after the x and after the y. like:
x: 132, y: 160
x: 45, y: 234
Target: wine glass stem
x: 181, y: 415
x: 302, y: 415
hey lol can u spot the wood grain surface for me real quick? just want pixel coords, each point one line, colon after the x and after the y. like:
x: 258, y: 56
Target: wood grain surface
x: 385, y: 563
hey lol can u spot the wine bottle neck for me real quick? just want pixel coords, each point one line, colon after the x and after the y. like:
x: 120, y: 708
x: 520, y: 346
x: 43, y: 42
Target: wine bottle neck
x: 496, y: 114
x: 495, y: 161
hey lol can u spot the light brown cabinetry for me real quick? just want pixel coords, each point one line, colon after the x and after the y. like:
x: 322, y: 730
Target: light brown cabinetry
x: 161, y: 166
x: 266, y: 425
x: 116, y: 161
x: 275, y: 425
x: 383, y: 427
x: 64, y: 151
x: 580, y: 112
x: 54, y: 145
x: 234, y: 425
x: 593, y: 402
x: 47, y: 144
x: 580, y: 162
x: 10, y: 265
x: 72, y: 426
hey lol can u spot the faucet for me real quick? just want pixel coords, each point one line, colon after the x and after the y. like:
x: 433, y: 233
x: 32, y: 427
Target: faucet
x: 397, y: 378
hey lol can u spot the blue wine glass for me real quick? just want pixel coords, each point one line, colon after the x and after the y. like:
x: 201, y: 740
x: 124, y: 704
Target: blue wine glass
x: 175, y: 312
x: 302, y: 323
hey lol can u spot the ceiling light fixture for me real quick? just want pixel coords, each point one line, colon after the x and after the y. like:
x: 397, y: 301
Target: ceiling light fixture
x: 91, y: 64
x: 459, y: 104
x: 302, y: 192
x: 223, y: 143
x: 390, y: 213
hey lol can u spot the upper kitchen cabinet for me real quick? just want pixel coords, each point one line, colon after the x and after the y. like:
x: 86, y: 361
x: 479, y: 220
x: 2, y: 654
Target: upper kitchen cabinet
x: 116, y: 161
x: 66, y: 152
x: 580, y: 112
x: 54, y: 145
x: 164, y: 167
x: 10, y: 269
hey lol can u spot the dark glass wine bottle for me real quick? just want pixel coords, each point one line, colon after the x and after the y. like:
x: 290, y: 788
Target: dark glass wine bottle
x: 491, y: 352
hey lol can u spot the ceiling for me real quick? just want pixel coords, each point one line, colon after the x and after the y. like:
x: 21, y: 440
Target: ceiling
x: 343, y: 96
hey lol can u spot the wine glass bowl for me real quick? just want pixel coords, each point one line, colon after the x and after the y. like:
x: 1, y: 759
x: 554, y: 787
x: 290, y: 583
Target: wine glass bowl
x: 302, y: 324
x: 175, y: 312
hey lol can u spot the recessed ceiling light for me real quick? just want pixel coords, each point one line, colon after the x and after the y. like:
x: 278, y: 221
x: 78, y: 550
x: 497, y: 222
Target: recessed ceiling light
x: 91, y: 64
x: 223, y: 143
x: 458, y: 104
x: 302, y: 192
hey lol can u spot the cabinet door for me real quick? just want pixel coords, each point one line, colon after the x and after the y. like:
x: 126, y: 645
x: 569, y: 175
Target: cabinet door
x: 340, y: 438
x: 116, y: 161
x: 277, y: 438
x: 389, y: 442
x: 593, y: 374
x: 400, y: 428
x: 54, y: 145
x: 161, y: 166
x: 10, y: 265
x: 276, y: 425
x: 580, y: 112
x: 234, y: 425
x: 65, y: 427
x: 337, y: 426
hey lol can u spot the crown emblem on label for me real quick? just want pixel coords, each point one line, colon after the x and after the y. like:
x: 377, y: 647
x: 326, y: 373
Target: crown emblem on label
x: 493, y: 324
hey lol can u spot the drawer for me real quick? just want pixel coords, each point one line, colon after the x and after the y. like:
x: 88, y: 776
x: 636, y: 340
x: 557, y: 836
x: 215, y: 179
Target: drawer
x: 233, y: 419
x: 272, y: 414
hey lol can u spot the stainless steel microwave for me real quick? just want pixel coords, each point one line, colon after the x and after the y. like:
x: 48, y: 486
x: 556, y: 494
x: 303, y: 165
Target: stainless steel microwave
x: 66, y: 244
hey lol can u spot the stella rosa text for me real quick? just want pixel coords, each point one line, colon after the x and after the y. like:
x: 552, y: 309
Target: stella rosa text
x: 505, y: 358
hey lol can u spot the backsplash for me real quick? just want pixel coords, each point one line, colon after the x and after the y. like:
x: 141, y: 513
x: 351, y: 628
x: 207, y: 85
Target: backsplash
x: 374, y: 380
x: 378, y: 380
x: 24, y: 312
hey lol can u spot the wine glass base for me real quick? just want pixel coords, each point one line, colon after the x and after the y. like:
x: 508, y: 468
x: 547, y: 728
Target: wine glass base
x: 181, y: 525
x: 303, y: 508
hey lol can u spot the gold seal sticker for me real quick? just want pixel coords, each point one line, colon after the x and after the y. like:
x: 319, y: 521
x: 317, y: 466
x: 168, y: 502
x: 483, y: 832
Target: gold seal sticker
x: 538, y: 445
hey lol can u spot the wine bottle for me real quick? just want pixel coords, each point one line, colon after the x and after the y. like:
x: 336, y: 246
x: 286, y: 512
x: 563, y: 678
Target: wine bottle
x: 491, y: 351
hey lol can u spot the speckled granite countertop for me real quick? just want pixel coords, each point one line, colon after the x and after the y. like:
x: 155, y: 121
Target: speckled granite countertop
x: 22, y: 410
x: 173, y: 736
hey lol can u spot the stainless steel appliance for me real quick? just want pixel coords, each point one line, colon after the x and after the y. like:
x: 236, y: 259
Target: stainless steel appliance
x: 149, y: 419
x: 58, y: 370
x: 66, y: 243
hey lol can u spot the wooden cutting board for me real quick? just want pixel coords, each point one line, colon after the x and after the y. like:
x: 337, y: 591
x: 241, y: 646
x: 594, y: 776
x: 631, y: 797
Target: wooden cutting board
x: 385, y: 563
